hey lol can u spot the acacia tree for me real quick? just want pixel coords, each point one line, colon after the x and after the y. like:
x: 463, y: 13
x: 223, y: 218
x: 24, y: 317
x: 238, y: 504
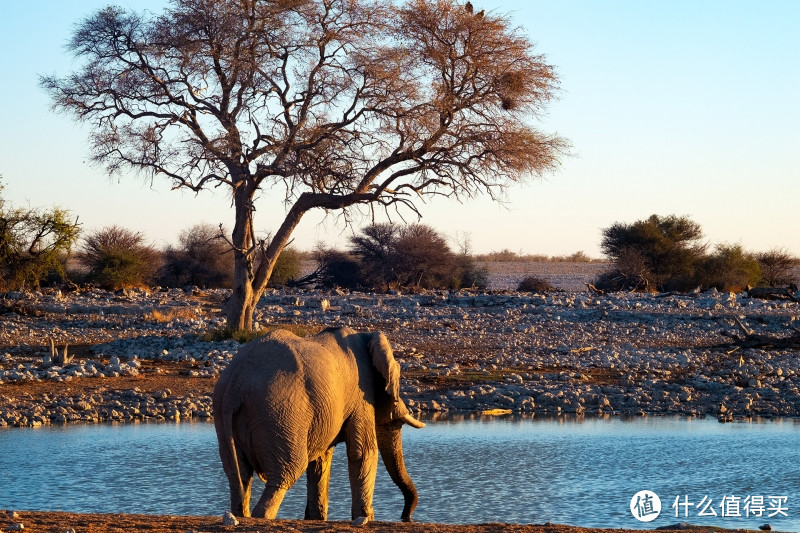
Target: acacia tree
x: 34, y: 243
x: 340, y: 104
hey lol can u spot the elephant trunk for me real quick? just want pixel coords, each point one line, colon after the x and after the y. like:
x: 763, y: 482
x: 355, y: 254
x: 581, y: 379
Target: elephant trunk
x: 390, y: 444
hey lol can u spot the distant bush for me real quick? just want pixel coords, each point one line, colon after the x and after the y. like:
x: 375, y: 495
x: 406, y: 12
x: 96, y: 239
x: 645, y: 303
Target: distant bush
x: 118, y: 258
x: 421, y: 258
x: 412, y: 256
x: 778, y: 267
x: 729, y: 268
x: 664, y: 254
x: 507, y: 256
x: 202, y: 259
x: 656, y: 254
x: 337, y: 269
x: 287, y: 268
x: 502, y: 256
x: 375, y: 255
x: 468, y: 275
x: 534, y: 284
x: 34, y: 245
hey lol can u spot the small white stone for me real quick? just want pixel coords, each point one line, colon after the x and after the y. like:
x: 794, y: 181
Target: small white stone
x: 360, y: 521
x: 229, y: 520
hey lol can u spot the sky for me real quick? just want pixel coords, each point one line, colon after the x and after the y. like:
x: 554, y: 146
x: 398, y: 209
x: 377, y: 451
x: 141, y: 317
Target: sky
x: 687, y: 107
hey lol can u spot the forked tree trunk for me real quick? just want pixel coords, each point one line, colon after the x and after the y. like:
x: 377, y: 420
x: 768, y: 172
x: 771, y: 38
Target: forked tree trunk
x: 250, y: 276
x: 240, y: 306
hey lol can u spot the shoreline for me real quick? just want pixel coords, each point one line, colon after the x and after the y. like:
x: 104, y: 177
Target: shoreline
x: 41, y: 521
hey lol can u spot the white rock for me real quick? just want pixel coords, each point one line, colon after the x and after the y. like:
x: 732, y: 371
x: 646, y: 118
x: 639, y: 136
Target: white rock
x: 229, y: 520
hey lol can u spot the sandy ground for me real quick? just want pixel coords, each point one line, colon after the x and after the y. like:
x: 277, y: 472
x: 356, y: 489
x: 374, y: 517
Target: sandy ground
x: 113, y: 523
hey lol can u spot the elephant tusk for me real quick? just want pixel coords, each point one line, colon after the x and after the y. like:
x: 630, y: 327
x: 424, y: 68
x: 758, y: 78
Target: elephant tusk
x: 413, y: 422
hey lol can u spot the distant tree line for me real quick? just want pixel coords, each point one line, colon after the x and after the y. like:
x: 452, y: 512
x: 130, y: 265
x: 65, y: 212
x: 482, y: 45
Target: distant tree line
x: 43, y: 246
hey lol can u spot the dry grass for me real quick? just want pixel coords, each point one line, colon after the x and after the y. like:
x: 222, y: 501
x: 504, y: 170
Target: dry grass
x: 170, y: 314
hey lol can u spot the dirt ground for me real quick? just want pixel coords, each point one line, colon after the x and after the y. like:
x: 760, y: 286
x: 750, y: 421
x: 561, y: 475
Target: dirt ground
x: 114, y: 523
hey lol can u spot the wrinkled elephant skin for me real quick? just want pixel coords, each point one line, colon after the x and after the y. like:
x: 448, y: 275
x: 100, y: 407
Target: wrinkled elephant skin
x: 284, y: 402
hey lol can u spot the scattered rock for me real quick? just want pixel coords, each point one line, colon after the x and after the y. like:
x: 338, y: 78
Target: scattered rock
x: 229, y: 520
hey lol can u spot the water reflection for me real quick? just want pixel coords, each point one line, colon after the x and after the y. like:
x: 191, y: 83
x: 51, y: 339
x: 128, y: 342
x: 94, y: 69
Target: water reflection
x: 580, y: 471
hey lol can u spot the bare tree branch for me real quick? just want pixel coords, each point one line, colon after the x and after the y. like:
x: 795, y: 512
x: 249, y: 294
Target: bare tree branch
x: 343, y: 103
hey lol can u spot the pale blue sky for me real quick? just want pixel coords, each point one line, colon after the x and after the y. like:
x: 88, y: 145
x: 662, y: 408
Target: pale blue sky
x: 678, y: 107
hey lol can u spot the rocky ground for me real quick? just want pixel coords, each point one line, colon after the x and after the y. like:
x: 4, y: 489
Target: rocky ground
x: 140, y: 355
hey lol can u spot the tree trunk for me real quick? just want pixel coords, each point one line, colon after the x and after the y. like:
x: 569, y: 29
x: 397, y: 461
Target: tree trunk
x: 249, y: 283
x: 390, y: 444
x: 240, y: 306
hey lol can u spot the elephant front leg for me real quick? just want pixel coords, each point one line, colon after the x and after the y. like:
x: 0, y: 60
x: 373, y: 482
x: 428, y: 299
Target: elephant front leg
x: 318, y: 476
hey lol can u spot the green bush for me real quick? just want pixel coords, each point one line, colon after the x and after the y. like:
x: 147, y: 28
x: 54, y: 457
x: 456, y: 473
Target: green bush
x: 118, y: 258
x: 729, y: 268
x: 287, y: 268
x: 34, y: 245
x: 656, y: 254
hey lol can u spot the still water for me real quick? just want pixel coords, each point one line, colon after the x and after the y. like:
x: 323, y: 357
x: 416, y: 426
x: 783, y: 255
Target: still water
x: 582, y: 472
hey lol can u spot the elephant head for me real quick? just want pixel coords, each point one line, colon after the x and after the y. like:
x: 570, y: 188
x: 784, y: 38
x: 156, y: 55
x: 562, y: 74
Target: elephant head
x: 391, y: 414
x: 284, y: 402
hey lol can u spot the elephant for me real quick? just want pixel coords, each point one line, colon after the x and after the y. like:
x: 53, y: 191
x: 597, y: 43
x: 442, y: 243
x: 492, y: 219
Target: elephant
x: 284, y: 402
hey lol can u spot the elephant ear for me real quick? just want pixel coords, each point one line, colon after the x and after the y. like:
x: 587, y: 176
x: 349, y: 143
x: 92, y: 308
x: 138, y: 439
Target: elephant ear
x: 383, y: 360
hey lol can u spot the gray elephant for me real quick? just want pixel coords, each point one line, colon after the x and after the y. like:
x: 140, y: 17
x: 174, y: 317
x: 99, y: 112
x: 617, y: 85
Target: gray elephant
x: 284, y: 402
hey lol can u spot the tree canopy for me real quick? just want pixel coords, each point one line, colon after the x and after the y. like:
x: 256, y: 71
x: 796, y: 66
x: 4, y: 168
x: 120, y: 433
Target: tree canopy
x: 333, y: 104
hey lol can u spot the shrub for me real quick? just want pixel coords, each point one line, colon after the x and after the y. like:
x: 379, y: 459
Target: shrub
x: 34, y: 245
x: 659, y: 253
x: 468, y: 274
x: 421, y: 258
x: 203, y: 259
x: 374, y: 250
x: 118, y: 258
x: 287, y: 268
x: 729, y: 268
x: 534, y: 284
x: 337, y: 269
x: 414, y: 256
x: 778, y: 267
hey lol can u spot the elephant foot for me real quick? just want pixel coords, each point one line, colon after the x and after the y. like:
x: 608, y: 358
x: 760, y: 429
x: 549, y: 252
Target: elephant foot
x: 360, y: 521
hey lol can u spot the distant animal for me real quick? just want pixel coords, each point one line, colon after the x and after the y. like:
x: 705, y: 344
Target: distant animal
x: 468, y: 7
x: 284, y: 402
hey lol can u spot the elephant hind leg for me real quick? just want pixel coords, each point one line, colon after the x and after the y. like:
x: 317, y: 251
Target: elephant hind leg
x: 318, y: 476
x: 279, y: 478
x: 270, y: 501
x: 240, y: 494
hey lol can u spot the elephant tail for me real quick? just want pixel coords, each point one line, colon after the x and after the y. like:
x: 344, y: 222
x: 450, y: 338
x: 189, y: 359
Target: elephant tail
x: 232, y: 444
x: 228, y: 444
